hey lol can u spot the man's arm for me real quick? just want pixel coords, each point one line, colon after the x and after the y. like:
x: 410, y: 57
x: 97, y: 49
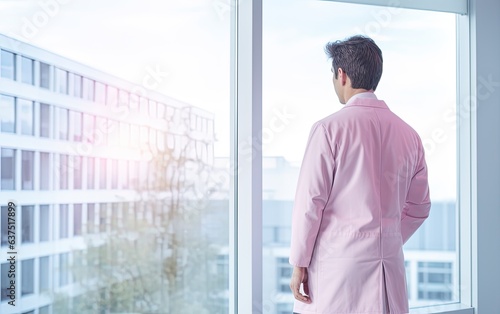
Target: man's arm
x: 313, y: 190
x: 418, y: 203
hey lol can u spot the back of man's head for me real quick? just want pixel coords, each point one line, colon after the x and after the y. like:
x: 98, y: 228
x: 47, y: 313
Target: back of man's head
x: 360, y: 58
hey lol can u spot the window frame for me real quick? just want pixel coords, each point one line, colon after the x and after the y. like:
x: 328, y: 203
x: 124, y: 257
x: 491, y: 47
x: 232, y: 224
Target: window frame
x: 246, y: 185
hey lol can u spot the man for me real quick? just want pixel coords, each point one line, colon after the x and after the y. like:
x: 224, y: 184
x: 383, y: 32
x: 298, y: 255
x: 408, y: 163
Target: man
x: 362, y: 192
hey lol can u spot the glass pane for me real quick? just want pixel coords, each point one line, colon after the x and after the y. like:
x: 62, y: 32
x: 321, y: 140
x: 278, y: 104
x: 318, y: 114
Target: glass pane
x: 25, y: 116
x: 27, y: 171
x: 45, y: 120
x: 44, y: 223
x: 27, y: 71
x: 8, y: 65
x: 8, y: 116
x: 104, y: 139
x: 44, y: 75
x: 45, y: 173
x: 8, y: 169
x: 4, y: 233
x: 61, y: 81
x: 27, y: 224
x: 298, y: 91
x: 27, y: 277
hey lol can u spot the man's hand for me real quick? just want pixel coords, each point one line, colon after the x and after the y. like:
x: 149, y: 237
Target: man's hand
x: 299, y: 277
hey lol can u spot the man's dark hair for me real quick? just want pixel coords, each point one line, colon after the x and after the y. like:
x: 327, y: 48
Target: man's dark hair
x: 360, y: 58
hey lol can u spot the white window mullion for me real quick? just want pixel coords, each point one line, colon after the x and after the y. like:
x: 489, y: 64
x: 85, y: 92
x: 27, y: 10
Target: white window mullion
x: 247, y: 258
x: 451, y: 6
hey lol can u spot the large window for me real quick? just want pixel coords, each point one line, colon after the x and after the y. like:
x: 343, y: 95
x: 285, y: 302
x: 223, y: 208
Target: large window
x: 298, y: 91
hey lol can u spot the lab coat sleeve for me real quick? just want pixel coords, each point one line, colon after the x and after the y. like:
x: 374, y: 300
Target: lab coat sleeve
x: 418, y: 204
x: 313, y: 190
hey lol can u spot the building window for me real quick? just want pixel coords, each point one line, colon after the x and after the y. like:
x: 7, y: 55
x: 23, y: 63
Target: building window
x: 103, y: 214
x: 27, y: 276
x: 77, y: 219
x: 27, y: 163
x: 123, y: 173
x: 100, y: 93
x: 77, y: 85
x: 27, y: 224
x: 152, y: 108
x: 77, y: 173
x: 63, y: 221
x: 103, y: 174
x: 114, y: 174
x: 44, y: 75
x: 89, y: 128
x: 161, y: 111
x: 90, y: 218
x: 25, y: 116
x: 6, y: 282
x: 44, y: 274
x: 284, y: 308
x: 4, y: 225
x: 45, y: 171
x: 222, y: 269
x: 63, y: 115
x: 8, y: 65
x: 44, y: 120
x: 27, y: 72
x: 123, y: 98
x: 134, y: 103
x: 44, y: 223
x: 63, y: 269
x: 61, y: 81
x: 90, y: 173
x: 144, y: 105
x: 44, y: 310
x: 8, y: 116
x: 124, y: 134
x: 77, y: 125
x: 133, y: 174
x: 88, y: 89
x: 134, y: 136
x: 101, y: 133
x: 63, y: 172
x: 435, y: 281
x: 8, y: 169
x: 284, y: 273
x: 112, y: 96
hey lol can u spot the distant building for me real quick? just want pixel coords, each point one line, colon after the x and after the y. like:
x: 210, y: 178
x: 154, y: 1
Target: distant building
x: 74, y: 146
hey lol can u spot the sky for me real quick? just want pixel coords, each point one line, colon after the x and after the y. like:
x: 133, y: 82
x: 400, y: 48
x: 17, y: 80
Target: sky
x: 190, y: 42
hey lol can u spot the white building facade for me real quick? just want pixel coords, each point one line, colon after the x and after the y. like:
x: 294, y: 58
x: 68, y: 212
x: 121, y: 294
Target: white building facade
x: 75, y: 146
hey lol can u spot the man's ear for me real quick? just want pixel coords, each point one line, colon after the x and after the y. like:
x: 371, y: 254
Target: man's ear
x: 342, y: 76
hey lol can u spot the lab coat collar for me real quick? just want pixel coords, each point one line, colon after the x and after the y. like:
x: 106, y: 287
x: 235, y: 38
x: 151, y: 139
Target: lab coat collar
x: 366, y: 99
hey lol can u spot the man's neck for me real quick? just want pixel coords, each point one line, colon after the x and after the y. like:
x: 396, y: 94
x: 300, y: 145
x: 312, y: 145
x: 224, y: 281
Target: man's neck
x: 354, y: 91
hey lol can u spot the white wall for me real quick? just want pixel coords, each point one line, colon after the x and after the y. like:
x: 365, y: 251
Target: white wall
x: 485, y: 78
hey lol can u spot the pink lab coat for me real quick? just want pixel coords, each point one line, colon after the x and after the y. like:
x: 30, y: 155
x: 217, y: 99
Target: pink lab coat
x: 362, y: 192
